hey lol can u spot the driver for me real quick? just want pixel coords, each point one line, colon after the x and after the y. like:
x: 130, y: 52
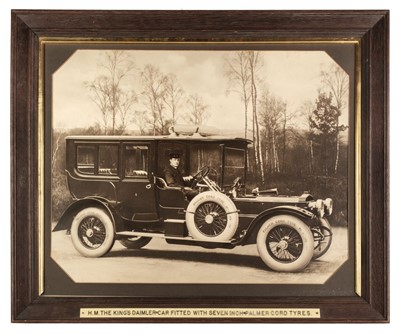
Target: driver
x: 174, y: 177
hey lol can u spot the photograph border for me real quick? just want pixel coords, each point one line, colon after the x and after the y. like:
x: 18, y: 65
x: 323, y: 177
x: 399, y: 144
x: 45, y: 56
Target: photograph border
x: 30, y: 28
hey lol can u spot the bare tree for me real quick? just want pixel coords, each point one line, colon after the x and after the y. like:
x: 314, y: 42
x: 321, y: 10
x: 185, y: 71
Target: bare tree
x: 125, y: 109
x: 337, y: 81
x: 57, y: 134
x: 153, y: 81
x: 307, y: 109
x: 100, y: 90
x: 255, y: 64
x: 238, y: 73
x: 284, y: 119
x: 141, y: 120
x: 242, y: 70
x: 198, y: 112
x: 275, y: 119
x: 118, y: 66
x: 173, y: 96
x: 113, y: 101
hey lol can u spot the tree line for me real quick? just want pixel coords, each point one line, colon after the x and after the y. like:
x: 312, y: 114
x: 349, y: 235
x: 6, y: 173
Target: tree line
x: 275, y: 131
x: 306, y: 140
x: 161, y: 95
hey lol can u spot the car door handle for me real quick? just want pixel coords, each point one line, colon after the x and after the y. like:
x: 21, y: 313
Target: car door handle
x: 148, y: 186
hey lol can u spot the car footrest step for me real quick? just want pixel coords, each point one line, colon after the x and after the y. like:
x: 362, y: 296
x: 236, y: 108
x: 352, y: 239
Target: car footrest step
x: 161, y: 235
x: 174, y: 221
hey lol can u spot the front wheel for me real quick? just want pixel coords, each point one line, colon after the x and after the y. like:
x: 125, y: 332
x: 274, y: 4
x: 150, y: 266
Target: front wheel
x: 135, y: 242
x: 285, y: 243
x: 322, y: 238
x: 92, y: 232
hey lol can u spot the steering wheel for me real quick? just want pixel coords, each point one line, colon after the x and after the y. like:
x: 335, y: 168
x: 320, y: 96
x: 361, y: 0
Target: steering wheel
x: 203, y: 172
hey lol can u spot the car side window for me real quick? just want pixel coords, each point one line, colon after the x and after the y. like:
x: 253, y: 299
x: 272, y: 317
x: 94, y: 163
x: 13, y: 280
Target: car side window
x: 85, y: 159
x: 108, y: 160
x: 97, y: 159
x: 136, y: 161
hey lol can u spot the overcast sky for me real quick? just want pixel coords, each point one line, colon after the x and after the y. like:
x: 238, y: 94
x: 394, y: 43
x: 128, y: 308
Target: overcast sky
x: 294, y: 76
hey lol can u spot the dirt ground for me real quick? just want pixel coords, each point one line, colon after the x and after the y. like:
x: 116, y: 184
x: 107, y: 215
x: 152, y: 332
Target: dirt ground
x: 160, y: 262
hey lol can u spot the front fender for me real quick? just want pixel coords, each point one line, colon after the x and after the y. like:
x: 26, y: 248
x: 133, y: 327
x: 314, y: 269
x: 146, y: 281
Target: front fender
x: 69, y: 214
x: 251, y: 234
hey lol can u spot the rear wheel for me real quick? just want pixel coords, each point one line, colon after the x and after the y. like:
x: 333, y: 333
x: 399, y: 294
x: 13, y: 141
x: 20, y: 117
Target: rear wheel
x: 285, y: 243
x: 92, y: 232
x: 135, y: 242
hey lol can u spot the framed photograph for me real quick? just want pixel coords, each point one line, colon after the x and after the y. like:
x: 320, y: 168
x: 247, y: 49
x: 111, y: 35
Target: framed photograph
x: 200, y: 166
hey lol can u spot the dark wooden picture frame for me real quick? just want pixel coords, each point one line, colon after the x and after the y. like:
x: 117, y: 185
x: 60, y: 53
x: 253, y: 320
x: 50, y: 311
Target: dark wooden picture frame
x: 369, y: 28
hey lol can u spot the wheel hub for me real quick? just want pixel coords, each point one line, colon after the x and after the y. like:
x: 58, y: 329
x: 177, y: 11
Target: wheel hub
x: 89, y: 232
x: 209, y: 219
x: 282, y: 245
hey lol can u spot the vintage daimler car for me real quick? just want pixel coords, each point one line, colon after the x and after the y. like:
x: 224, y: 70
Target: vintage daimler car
x: 120, y: 193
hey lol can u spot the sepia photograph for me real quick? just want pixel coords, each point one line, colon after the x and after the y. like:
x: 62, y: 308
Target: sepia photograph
x: 200, y: 167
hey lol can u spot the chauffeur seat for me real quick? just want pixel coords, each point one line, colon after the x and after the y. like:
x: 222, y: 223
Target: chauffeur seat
x: 170, y: 196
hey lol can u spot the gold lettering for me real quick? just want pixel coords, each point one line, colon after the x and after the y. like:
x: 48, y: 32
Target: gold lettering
x: 243, y: 313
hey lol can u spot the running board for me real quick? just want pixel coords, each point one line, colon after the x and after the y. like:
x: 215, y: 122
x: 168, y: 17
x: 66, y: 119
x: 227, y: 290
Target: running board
x: 165, y: 237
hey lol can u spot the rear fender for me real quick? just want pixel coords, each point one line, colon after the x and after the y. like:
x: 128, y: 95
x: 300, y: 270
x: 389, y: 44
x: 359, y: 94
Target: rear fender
x: 68, y: 216
x: 251, y: 234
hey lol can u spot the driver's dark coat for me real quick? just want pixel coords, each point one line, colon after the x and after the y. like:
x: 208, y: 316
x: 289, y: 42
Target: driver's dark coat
x: 174, y: 177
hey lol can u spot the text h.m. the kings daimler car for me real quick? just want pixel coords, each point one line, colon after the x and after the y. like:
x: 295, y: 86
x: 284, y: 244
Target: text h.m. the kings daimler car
x: 120, y: 193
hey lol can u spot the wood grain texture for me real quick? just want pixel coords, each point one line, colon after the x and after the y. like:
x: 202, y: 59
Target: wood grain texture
x: 24, y: 165
x: 370, y: 26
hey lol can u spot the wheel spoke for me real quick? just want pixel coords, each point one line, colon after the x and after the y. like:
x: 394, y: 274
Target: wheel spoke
x: 220, y: 226
x: 202, y: 211
x: 295, y: 251
x: 99, y: 237
x: 215, y: 226
x: 91, y: 232
x: 284, y: 244
x: 274, y: 236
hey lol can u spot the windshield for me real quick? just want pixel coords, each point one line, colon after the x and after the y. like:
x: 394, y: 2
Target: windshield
x: 194, y: 156
x: 206, y: 154
x: 234, y: 163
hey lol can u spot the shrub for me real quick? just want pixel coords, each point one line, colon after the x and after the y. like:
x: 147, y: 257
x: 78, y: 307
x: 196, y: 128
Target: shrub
x: 61, y: 197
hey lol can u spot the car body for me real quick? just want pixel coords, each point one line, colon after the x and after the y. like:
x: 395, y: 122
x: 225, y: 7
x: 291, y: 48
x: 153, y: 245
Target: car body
x: 120, y: 193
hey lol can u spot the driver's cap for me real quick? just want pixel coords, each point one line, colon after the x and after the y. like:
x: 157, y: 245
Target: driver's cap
x: 174, y: 154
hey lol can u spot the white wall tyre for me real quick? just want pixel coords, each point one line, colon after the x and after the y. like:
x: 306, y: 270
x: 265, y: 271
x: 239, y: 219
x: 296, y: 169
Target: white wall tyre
x: 136, y: 242
x: 321, y: 246
x: 212, y: 216
x: 92, y: 232
x: 285, y: 243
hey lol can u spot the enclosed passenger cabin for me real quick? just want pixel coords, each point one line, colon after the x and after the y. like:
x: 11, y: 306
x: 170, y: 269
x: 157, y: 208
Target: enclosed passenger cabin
x: 125, y: 170
x: 117, y: 158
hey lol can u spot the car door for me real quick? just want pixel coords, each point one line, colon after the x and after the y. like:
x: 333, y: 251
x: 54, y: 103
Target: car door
x: 136, y: 193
